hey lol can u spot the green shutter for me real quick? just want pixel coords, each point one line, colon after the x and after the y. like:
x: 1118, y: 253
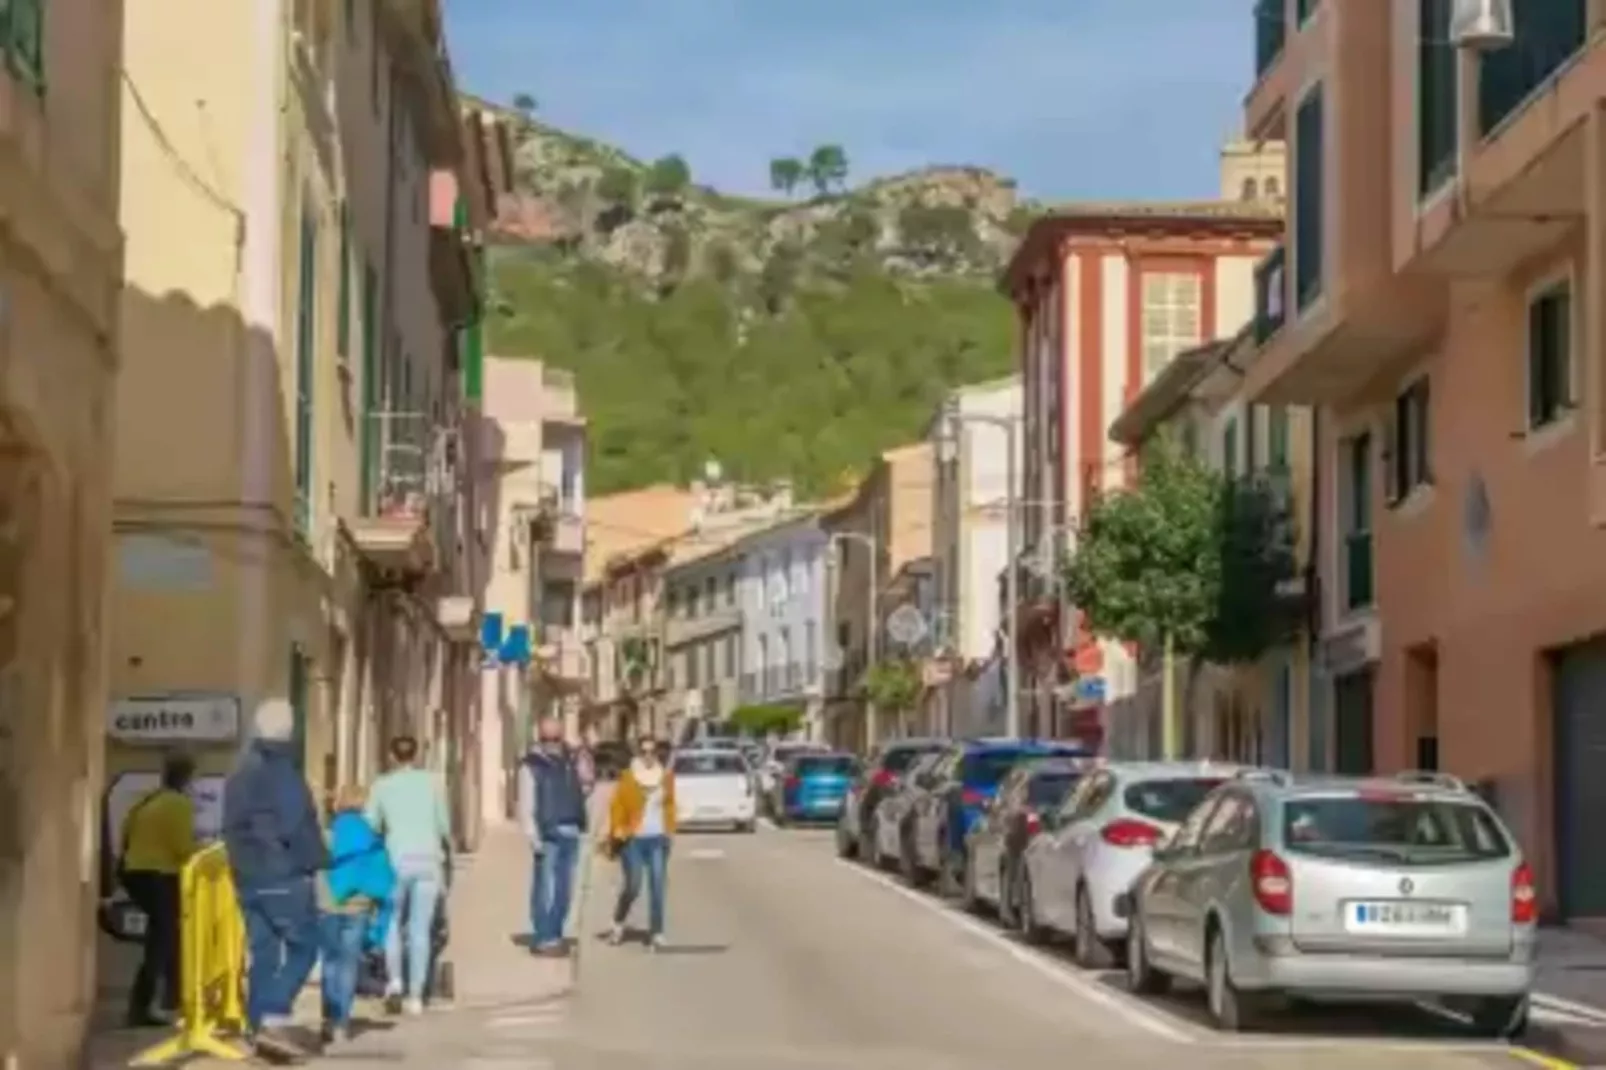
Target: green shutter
x: 1229, y: 448
x: 300, y: 690
x: 1436, y: 97
x: 22, y: 23
x: 1308, y: 192
x: 343, y: 311
x: 1277, y: 438
x: 306, y: 340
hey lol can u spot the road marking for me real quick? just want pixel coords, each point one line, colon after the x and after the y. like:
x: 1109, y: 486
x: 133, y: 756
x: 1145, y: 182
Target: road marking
x: 1142, y: 1017
x: 705, y: 854
x: 1540, y: 1059
x: 1568, y: 1009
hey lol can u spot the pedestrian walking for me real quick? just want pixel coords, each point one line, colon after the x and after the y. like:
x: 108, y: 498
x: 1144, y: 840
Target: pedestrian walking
x: 158, y: 838
x: 641, y: 826
x: 553, y: 815
x: 408, y: 807
x: 354, y: 892
x: 276, y: 849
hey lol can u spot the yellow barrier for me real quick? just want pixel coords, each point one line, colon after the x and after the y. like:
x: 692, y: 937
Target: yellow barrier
x: 212, y: 965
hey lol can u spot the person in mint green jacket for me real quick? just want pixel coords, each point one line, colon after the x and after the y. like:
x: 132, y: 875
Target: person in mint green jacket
x: 408, y: 807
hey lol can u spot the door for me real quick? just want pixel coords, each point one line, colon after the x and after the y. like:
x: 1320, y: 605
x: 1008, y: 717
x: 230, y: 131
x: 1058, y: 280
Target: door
x: 1223, y: 856
x: 1076, y: 840
x: 1164, y: 912
x: 1352, y: 723
x: 1579, y: 737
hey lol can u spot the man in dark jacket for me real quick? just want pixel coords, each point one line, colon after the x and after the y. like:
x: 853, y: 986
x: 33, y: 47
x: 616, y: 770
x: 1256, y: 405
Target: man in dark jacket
x: 552, y: 804
x: 270, y: 825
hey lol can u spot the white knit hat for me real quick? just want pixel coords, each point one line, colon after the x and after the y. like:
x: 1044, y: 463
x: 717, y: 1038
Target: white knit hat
x: 274, y: 721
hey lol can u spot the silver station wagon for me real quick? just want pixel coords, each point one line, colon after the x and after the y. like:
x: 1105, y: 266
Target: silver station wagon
x: 1342, y: 889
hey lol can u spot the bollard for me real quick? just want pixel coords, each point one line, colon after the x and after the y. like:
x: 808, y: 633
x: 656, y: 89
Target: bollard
x: 212, y: 965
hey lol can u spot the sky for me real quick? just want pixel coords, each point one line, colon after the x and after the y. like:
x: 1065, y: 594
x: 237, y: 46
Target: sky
x: 1076, y: 99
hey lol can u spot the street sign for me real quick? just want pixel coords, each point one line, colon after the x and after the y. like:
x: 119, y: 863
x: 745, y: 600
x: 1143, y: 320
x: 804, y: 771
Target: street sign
x: 906, y: 625
x: 1090, y: 689
x: 491, y: 632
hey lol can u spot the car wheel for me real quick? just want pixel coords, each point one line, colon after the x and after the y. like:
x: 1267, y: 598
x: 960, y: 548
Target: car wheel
x: 1501, y: 1017
x: 747, y: 826
x: 1026, y: 911
x: 1008, y: 914
x: 845, y: 847
x: 967, y: 885
x: 871, y: 834
x: 913, y: 873
x: 1141, y: 978
x: 1091, y: 952
x: 1230, y: 1009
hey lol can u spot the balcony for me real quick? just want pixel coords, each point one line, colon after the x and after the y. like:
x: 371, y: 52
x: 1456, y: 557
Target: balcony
x: 1271, y: 294
x: 458, y: 617
x: 559, y: 526
x: 560, y: 402
x: 679, y: 630
x: 408, y: 492
x: 562, y: 658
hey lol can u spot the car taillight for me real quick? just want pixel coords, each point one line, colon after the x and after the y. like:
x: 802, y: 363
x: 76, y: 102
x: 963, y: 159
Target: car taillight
x: 1129, y: 833
x: 1524, y: 897
x: 1272, y: 883
x: 884, y: 778
x: 1034, y: 824
x: 971, y: 797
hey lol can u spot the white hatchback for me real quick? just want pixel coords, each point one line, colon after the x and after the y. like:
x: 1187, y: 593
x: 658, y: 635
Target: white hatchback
x: 714, y: 789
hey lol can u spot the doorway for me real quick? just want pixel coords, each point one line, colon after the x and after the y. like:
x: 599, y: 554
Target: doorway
x: 1578, y: 738
x: 1352, y: 723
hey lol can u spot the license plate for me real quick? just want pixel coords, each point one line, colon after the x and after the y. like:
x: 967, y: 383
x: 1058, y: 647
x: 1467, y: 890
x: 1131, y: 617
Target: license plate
x: 1397, y: 917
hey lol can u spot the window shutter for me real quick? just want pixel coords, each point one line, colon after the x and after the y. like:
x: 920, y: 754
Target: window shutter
x: 1538, y: 341
x: 1422, y: 445
x: 1561, y: 354
x: 1391, y: 443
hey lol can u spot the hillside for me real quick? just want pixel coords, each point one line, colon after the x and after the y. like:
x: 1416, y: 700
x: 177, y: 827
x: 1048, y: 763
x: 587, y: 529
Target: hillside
x: 794, y: 336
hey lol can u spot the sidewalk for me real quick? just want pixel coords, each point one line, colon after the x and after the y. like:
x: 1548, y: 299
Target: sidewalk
x: 1569, y: 1003
x: 493, y: 974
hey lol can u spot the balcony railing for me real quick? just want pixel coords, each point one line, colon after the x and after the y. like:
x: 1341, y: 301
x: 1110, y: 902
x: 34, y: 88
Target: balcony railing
x: 1271, y: 294
x: 1357, y: 570
x: 1546, y: 34
x: 408, y: 464
x: 1271, y: 32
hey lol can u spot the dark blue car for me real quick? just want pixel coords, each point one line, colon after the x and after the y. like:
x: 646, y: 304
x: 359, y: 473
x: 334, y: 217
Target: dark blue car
x: 813, y: 786
x: 962, y: 785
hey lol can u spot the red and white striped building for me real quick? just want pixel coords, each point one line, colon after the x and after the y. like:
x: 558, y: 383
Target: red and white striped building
x: 1106, y: 295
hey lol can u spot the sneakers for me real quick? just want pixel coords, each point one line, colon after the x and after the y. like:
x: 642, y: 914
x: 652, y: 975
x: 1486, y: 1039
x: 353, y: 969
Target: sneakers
x: 655, y: 942
x: 412, y: 1007
x: 616, y: 935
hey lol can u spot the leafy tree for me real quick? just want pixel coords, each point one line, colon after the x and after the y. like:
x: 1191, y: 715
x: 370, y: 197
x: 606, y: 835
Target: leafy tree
x: 524, y: 104
x: 786, y: 173
x: 894, y: 685
x: 827, y: 168
x: 941, y: 233
x: 619, y: 186
x: 668, y: 177
x: 766, y: 720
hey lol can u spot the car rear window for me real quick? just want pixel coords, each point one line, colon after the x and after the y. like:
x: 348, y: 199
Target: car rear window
x: 1169, y: 800
x: 1046, y: 790
x: 899, y: 759
x: 709, y: 764
x: 825, y: 765
x: 986, y: 768
x: 1414, y: 829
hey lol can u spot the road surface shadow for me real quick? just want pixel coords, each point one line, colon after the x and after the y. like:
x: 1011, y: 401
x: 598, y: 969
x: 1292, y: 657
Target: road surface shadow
x: 633, y: 935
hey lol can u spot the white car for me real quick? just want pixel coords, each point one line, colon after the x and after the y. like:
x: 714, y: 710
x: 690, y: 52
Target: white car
x: 714, y: 789
x: 1098, y: 842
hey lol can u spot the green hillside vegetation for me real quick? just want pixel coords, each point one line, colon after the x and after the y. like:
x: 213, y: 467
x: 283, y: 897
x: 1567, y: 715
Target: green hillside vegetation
x: 793, y: 337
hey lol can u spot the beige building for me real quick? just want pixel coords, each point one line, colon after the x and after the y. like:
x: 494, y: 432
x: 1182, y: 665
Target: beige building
x: 289, y: 465
x: 60, y: 270
x: 531, y: 438
x: 882, y: 528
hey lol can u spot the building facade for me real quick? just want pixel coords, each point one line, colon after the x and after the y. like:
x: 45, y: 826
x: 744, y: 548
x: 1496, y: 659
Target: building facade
x: 782, y: 601
x: 61, y: 266
x: 1107, y: 295
x: 970, y: 549
x: 531, y: 437
x: 703, y: 630
x: 1440, y: 304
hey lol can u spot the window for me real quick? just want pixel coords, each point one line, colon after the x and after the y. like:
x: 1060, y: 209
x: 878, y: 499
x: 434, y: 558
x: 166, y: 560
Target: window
x: 710, y: 663
x: 1171, y: 318
x: 1437, y: 104
x: 1309, y: 183
x: 1410, y: 450
x: 811, y: 641
x: 1249, y: 191
x: 1229, y: 827
x: 730, y: 588
x: 693, y: 594
x: 692, y: 665
x: 1229, y: 448
x: 306, y: 304
x: 1305, y: 9
x: 299, y: 690
x: 1277, y: 438
x: 1273, y: 188
x: 1547, y: 33
x: 24, y: 44
x: 1550, y: 354
x: 732, y: 657
x: 1355, y: 518
x: 711, y: 593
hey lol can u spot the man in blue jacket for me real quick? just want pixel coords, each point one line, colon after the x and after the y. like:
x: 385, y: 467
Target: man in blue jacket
x: 552, y: 803
x: 270, y: 825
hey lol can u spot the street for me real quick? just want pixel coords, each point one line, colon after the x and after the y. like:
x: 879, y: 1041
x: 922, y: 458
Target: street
x: 782, y: 955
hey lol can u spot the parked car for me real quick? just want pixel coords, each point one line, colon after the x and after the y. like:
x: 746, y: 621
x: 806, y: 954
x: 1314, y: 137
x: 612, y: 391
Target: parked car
x: 812, y: 787
x: 878, y: 776
x: 775, y: 759
x: 964, y: 781
x: 997, y: 841
x: 1096, y: 844
x: 884, y: 834
x: 714, y: 788
x: 1407, y: 888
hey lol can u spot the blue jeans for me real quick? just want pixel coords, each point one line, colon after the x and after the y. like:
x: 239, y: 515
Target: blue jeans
x: 644, y: 856
x: 419, y: 884
x: 342, y: 936
x: 553, y: 886
x: 281, y: 932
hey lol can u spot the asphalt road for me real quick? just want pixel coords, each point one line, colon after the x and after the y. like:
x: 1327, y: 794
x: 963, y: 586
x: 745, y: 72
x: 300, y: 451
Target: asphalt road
x: 784, y: 957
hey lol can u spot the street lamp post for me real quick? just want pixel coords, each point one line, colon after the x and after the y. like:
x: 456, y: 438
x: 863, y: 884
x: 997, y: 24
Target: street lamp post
x: 949, y: 444
x: 873, y: 550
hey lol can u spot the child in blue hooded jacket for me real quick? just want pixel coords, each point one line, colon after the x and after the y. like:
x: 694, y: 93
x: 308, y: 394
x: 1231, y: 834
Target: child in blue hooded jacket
x: 355, y: 899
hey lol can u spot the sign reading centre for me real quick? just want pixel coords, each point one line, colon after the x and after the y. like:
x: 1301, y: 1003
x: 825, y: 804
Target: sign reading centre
x: 183, y: 718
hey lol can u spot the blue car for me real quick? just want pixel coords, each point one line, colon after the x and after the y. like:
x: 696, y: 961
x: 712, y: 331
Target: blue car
x: 812, y: 787
x: 961, y: 787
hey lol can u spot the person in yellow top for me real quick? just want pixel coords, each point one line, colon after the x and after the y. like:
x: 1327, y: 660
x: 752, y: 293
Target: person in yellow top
x: 641, y: 823
x: 158, y: 838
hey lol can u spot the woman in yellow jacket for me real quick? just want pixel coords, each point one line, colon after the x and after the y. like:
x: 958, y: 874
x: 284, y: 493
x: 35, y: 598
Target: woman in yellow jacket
x: 641, y: 823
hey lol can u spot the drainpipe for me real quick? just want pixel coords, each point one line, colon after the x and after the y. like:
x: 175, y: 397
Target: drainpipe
x: 260, y: 311
x: 1313, y: 592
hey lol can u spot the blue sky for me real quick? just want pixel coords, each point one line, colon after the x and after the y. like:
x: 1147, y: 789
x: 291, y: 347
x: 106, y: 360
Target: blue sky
x: 1075, y: 98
